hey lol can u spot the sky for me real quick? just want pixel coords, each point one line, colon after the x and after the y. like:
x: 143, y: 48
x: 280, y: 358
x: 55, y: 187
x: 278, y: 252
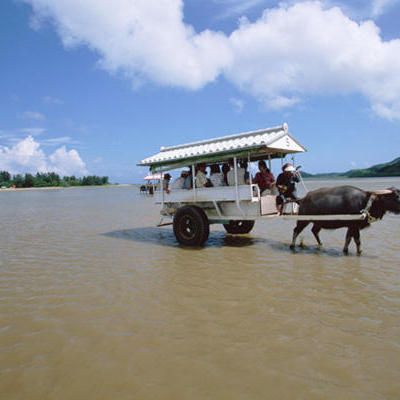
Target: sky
x: 91, y: 87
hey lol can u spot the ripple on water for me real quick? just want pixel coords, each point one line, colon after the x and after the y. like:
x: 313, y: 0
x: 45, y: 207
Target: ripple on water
x: 91, y: 291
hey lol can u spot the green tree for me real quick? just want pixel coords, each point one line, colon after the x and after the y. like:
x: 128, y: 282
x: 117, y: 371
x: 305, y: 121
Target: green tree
x: 18, y: 180
x: 5, y: 176
x: 54, y: 179
x: 29, y: 180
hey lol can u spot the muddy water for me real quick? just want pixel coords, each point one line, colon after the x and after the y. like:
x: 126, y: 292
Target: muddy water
x: 97, y: 303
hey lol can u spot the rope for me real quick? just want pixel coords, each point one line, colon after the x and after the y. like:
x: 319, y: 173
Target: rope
x: 302, y: 182
x: 371, y: 199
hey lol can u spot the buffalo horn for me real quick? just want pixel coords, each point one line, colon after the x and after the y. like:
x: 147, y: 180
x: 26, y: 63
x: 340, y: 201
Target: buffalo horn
x: 384, y: 191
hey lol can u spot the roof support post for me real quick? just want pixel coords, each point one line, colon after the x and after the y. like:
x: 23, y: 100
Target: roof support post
x: 236, y: 186
x: 248, y: 167
x: 194, y: 183
x: 269, y: 162
x: 250, y: 175
x: 162, y: 189
x: 236, y: 176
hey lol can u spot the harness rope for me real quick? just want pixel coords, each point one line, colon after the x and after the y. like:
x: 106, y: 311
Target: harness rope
x: 302, y: 182
x: 370, y: 218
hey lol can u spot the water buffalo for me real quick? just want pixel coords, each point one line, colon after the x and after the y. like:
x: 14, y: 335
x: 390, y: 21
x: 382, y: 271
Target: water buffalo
x: 345, y: 200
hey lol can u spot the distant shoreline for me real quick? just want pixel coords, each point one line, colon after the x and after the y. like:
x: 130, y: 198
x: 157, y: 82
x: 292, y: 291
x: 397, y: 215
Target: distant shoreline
x: 64, y: 187
x: 386, y: 170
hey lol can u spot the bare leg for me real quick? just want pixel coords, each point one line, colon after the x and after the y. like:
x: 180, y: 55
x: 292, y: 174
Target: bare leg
x: 315, y: 230
x: 349, y: 235
x: 297, y: 230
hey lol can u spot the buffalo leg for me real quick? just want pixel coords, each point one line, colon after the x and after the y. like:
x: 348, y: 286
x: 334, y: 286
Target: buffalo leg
x: 315, y: 230
x: 356, y: 236
x: 297, y: 230
x: 349, y: 235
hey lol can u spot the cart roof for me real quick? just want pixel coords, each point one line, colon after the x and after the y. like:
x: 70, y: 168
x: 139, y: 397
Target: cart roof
x: 260, y: 144
x: 153, y: 177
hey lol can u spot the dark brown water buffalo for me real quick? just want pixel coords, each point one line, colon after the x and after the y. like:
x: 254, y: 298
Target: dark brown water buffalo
x: 345, y: 200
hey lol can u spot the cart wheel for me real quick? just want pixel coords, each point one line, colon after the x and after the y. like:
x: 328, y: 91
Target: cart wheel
x: 191, y: 227
x: 239, y: 226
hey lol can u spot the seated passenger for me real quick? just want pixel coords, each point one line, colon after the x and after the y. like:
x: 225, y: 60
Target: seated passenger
x: 201, y: 177
x: 179, y: 182
x: 188, y: 184
x: 230, y: 176
x: 265, y: 179
x: 165, y: 183
x: 216, y: 176
x: 243, y: 164
x: 225, y: 170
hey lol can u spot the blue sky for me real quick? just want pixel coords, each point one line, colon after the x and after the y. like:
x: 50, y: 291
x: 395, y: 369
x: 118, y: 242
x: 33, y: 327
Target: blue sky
x: 93, y: 86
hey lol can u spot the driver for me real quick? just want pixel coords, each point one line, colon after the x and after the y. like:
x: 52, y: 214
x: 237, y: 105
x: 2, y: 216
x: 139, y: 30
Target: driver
x: 286, y: 184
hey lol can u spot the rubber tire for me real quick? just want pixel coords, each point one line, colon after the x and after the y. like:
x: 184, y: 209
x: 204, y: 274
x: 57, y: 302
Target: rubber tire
x: 239, y: 226
x: 191, y: 226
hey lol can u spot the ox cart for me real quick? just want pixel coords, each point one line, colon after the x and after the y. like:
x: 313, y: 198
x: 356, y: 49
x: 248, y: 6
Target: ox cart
x: 237, y: 207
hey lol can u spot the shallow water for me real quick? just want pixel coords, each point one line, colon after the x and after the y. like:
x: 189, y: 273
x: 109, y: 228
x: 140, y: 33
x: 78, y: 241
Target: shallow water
x: 98, y: 303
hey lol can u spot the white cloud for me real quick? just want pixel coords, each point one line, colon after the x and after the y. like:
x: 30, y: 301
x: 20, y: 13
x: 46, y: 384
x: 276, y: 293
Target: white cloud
x: 145, y: 39
x: 323, y: 52
x: 66, y: 162
x: 290, y: 53
x: 32, y: 115
x: 27, y: 156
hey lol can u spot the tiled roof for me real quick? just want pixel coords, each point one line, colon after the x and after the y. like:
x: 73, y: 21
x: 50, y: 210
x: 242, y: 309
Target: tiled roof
x: 276, y: 139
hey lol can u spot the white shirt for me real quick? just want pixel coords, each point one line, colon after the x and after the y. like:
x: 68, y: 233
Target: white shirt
x: 230, y: 177
x: 201, y: 179
x: 178, y: 183
x: 217, y: 179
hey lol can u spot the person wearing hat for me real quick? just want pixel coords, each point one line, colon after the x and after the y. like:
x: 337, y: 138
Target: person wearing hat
x: 286, y: 184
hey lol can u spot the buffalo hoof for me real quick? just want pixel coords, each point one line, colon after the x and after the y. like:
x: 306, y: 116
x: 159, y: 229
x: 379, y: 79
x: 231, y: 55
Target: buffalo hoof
x: 292, y: 247
x: 359, y: 253
x: 346, y: 251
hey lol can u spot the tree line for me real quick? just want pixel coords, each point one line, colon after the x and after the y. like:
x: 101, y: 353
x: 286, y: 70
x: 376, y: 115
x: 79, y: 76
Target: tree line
x: 48, y: 179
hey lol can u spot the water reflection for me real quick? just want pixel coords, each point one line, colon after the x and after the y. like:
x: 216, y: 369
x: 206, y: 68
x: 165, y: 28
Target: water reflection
x: 166, y: 237
x: 162, y: 237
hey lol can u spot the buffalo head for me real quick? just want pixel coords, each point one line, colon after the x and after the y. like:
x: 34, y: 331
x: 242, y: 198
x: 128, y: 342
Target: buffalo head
x: 390, y: 199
